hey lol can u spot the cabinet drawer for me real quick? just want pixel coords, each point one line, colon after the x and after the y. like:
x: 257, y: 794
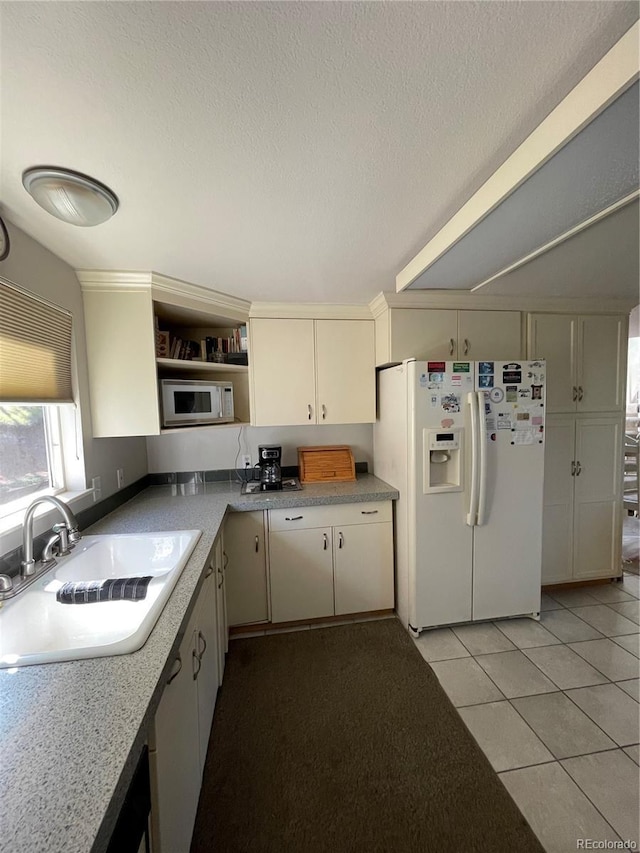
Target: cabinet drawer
x: 330, y: 516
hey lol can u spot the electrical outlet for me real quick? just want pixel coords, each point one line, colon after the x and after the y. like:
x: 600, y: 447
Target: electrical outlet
x: 96, y: 487
x: 246, y: 461
x: 120, y: 477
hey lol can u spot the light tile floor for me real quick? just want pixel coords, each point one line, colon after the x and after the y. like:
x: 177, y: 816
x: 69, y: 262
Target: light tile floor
x: 555, y: 707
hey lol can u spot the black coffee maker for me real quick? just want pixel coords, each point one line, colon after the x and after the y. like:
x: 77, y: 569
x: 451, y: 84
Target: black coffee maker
x: 269, y: 459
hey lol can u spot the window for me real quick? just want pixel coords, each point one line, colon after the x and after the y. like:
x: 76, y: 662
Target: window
x: 30, y: 455
x: 35, y: 376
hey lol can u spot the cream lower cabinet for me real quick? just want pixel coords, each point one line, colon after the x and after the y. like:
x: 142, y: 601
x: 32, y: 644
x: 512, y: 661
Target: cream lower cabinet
x: 301, y: 572
x: 179, y: 736
x: 363, y: 567
x: 435, y: 333
x: 305, y: 371
x: 586, y: 360
x: 330, y: 560
x: 582, y: 514
x: 246, y: 572
x: 219, y: 565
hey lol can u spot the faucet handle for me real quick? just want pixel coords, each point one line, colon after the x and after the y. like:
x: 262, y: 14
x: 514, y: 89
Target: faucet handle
x: 51, y: 550
x: 61, y: 532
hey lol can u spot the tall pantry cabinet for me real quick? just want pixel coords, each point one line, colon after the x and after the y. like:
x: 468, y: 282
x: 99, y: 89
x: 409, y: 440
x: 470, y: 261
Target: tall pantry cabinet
x: 582, y: 514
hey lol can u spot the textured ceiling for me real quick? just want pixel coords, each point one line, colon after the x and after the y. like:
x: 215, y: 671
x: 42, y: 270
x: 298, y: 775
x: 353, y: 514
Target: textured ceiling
x: 280, y: 151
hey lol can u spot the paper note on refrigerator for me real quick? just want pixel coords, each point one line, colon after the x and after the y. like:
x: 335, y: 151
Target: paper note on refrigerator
x: 524, y: 436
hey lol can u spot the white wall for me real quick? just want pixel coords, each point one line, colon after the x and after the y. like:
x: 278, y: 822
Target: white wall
x: 35, y: 268
x: 213, y: 448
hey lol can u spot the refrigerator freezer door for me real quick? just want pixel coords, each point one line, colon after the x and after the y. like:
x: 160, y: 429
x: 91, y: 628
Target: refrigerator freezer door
x: 442, y: 572
x: 508, y: 539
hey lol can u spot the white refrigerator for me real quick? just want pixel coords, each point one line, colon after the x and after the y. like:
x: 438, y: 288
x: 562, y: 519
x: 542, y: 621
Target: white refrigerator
x: 463, y: 442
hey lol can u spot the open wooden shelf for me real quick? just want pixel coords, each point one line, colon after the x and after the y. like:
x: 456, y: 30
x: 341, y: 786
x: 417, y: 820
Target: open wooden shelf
x: 209, y: 366
x: 173, y: 430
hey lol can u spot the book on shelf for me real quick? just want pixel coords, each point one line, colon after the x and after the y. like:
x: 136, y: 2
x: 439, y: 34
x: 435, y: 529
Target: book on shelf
x: 162, y: 344
x: 212, y: 348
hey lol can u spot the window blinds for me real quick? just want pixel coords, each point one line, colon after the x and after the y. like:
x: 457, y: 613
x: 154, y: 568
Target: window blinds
x: 35, y: 348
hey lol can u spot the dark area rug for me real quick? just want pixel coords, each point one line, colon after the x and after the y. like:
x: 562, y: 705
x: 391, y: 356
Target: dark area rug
x: 341, y: 739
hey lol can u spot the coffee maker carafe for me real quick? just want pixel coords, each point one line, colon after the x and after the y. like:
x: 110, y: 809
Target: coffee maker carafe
x: 269, y: 457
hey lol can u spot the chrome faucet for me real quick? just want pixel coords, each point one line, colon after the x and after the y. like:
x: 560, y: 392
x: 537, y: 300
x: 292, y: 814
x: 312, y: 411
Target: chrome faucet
x: 65, y: 536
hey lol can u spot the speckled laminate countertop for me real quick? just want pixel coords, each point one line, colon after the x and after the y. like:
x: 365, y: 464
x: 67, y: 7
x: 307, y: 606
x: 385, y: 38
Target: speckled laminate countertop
x: 73, y: 732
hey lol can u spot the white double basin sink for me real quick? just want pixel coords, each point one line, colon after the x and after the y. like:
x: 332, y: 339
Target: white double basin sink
x: 36, y: 628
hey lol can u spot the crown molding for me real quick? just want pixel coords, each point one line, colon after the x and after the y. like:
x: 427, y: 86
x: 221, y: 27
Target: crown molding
x: 308, y: 311
x: 185, y: 294
x: 461, y: 300
x: 114, y: 279
x: 378, y: 305
x: 166, y: 289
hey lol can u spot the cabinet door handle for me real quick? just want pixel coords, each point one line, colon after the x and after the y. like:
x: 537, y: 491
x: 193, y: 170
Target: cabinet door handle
x: 580, y: 393
x: 209, y: 572
x: 578, y: 469
x: 204, y: 644
x: 309, y: 410
x: 325, y: 542
x: 293, y: 517
x: 178, y: 660
x: 340, y: 540
x: 452, y: 346
x: 257, y: 544
x: 467, y: 346
x: 573, y: 468
x: 575, y: 393
x: 324, y: 411
x: 195, y: 659
x: 225, y: 559
x: 221, y: 577
x: 368, y: 512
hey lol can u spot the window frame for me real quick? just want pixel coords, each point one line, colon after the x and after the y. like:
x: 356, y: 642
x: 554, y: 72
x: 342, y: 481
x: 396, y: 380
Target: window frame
x: 55, y: 463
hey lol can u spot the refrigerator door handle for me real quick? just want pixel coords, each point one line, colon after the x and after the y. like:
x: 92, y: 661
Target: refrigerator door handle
x: 482, y: 440
x: 473, y: 496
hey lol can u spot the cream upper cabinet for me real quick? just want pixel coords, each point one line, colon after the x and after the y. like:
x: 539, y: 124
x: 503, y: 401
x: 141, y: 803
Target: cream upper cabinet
x: 121, y: 310
x: 435, y: 333
x: 346, y: 379
x: 312, y: 371
x: 581, y: 528
x: 282, y: 372
x: 586, y: 360
x: 602, y: 348
x: 419, y: 333
x: 492, y: 335
x: 121, y: 360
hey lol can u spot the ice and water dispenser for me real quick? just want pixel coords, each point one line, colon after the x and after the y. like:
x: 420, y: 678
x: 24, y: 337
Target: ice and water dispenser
x: 442, y: 456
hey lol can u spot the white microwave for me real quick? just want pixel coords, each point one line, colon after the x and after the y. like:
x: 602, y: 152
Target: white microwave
x: 186, y: 402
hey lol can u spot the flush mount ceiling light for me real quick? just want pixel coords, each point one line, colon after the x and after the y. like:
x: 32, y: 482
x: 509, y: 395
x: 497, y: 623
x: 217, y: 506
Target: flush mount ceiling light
x: 70, y: 196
